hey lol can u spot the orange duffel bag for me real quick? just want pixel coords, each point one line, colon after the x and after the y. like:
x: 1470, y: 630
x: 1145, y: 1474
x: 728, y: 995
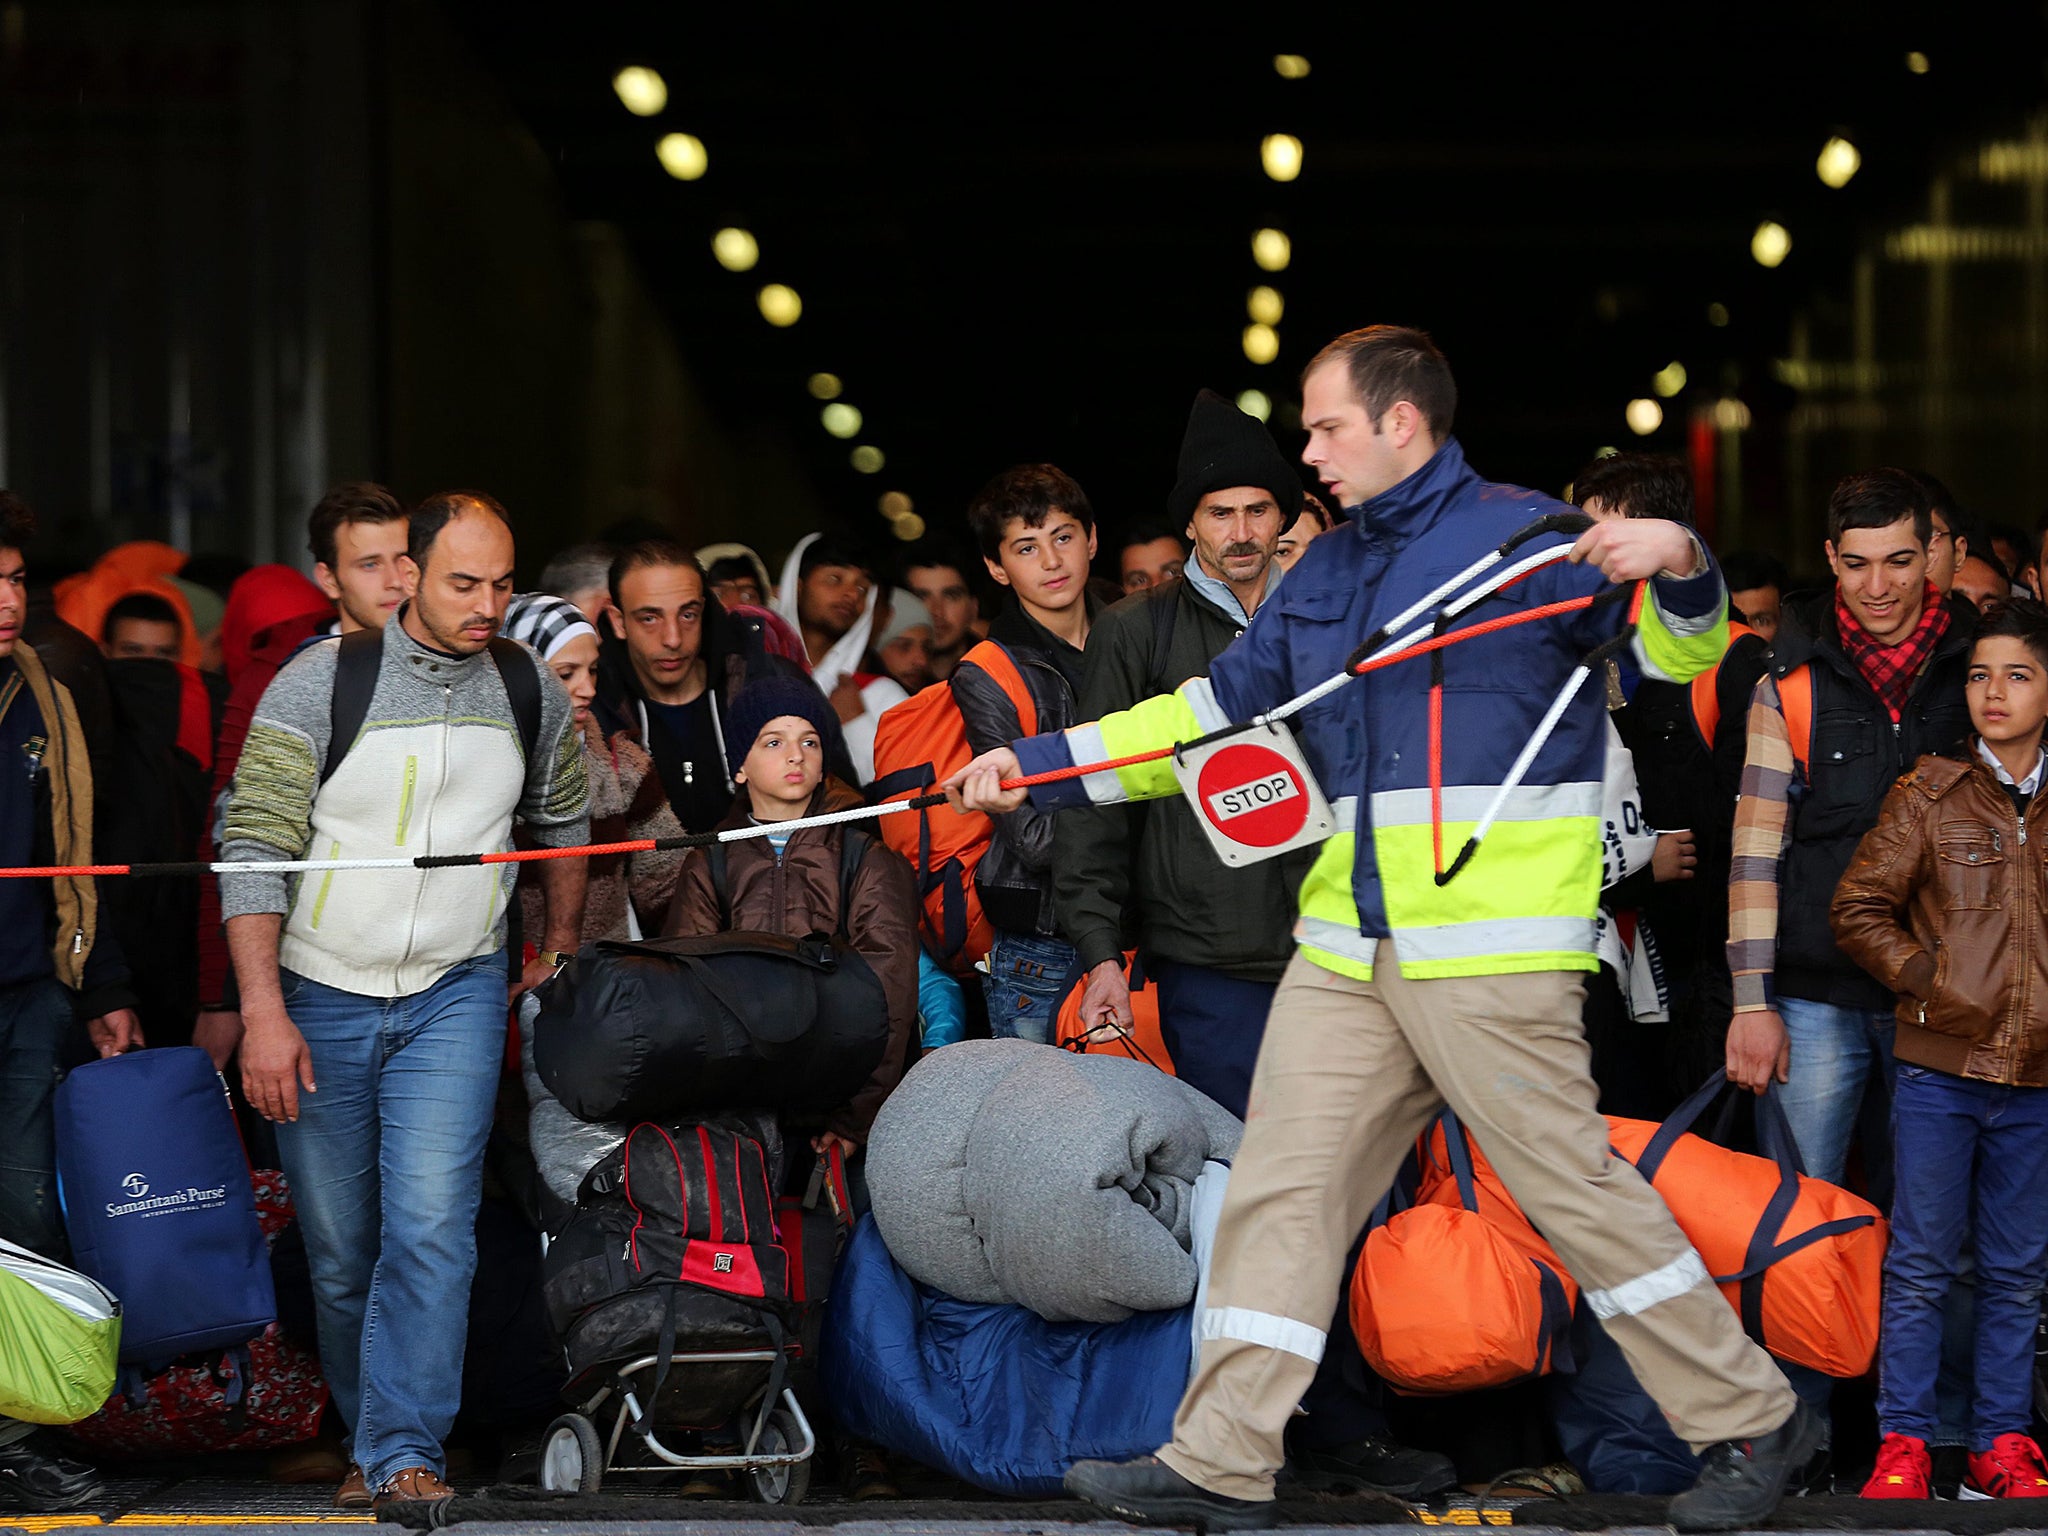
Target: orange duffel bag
x: 1801, y: 1261
x: 1458, y: 1292
x: 1141, y: 1042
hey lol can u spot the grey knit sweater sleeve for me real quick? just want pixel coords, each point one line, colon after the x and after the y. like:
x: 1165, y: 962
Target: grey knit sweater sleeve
x: 270, y: 806
x: 556, y: 804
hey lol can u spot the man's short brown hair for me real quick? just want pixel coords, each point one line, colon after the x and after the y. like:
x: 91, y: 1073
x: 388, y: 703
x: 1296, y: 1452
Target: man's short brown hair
x: 353, y: 501
x: 1391, y: 363
x: 643, y: 553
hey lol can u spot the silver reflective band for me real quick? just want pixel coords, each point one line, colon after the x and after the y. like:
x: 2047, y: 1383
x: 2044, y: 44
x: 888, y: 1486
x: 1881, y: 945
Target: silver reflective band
x: 1496, y: 936
x: 1265, y: 1330
x: 1344, y: 812
x: 1335, y: 939
x: 1201, y: 698
x: 1468, y: 802
x: 1645, y: 1291
x: 1084, y: 742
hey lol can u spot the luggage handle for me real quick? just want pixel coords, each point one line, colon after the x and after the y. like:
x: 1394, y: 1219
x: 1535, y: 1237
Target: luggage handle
x: 1460, y: 1153
x: 1774, y: 1130
x: 817, y: 953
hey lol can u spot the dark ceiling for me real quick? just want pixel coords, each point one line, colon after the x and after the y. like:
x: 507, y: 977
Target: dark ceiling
x: 1018, y: 236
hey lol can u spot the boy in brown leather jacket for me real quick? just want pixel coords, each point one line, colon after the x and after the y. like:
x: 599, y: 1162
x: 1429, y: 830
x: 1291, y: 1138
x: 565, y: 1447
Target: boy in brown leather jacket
x: 1944, y: 903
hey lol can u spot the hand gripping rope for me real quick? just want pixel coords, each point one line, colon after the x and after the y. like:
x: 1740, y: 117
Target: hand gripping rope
x: 1409, y: 638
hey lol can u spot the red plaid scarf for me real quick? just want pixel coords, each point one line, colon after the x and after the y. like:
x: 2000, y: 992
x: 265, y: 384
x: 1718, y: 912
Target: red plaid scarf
x: 1890, y: 669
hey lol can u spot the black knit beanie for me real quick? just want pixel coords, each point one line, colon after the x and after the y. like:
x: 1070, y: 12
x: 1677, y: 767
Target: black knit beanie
x: 1226, y: 447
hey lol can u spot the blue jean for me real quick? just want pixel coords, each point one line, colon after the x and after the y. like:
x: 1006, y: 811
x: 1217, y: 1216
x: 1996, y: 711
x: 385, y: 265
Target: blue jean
x: 386, y: 1167
x: 34, y: 1018
x: 1834, y: 1052
x: 1212, y: 1025
x: 1972, y: 1162
x: 1024, y: 985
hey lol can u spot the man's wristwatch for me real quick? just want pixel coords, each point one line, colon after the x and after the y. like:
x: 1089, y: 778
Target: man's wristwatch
x: 557, y: 957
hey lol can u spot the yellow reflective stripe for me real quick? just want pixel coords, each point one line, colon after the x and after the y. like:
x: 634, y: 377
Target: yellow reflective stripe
x: 1146, y: 727
x: 1676, y: 650
x: 1466, y: 803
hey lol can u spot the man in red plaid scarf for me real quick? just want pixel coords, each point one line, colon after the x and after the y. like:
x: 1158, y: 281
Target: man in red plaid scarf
x: 1871, y: 675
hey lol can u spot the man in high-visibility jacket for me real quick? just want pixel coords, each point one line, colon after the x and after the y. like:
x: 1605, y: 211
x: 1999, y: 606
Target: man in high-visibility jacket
x: 1406, y: 994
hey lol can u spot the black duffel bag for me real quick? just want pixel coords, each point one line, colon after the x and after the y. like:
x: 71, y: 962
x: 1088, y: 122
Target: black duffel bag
x: 670, y: 1027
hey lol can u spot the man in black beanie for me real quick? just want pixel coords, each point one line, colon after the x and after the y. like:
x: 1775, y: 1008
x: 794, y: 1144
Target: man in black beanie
x: 1214, y: 939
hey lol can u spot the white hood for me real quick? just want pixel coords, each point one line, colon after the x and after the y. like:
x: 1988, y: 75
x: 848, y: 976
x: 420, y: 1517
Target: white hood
x: 847, y: 652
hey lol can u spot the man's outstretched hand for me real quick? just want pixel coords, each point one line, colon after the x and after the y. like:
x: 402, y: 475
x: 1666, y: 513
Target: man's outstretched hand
x: 978, y: 786
x: 1635, y: 548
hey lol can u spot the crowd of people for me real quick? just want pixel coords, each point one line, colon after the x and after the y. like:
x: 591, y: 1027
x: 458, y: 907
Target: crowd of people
x: 1786, y: 836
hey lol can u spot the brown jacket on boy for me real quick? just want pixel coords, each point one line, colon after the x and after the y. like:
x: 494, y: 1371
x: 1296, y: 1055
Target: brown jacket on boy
x: 799, y: 894
x: 1946, y: 903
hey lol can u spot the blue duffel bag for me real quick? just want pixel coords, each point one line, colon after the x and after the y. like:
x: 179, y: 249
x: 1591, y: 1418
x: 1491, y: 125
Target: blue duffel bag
x: 158, y: 1203
x: 995, y: 1395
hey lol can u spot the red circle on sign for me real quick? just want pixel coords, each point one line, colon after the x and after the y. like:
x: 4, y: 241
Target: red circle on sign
x: 1252, y: 795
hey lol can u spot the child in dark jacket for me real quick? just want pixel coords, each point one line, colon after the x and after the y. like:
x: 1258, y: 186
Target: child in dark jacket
x: 789, y: 882
x: 1943, y: 903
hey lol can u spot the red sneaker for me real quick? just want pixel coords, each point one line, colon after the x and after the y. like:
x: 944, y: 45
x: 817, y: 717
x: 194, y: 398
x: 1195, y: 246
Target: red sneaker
x: 1902, y: 1471
x: 2011, y: 1469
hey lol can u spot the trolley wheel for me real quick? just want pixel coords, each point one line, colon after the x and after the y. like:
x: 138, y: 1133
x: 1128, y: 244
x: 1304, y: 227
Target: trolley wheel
x: 571, y: 1456
x: 780, y: 1485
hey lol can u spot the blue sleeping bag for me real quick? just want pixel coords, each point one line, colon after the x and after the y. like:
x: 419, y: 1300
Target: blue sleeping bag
x: 995, y: 1395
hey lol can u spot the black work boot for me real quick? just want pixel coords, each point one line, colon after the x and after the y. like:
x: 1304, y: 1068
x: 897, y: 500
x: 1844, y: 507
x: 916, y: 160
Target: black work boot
x: 1149, y: 1491
x: 34, y: 1478
x: 1370, y: 1466
x: 1743, y: 1480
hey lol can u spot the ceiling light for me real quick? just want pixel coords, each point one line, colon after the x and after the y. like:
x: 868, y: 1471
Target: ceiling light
x: 895, y: 506
x: 824, y: 386
x: 1917, y: 62
x: 1644, y: 416
x: 1255, y: 402
x: 1606, y: 451
x: 908, y: 527
x: 868, y: 459
x: 1669, y: 379
x: 1771, y: 243
x: 1280, y: 154
x: 1838, y: 163
x: 1272, y: 250
x: 841, y: 419
x: 736, y: 249
x: 780, y: 305
x: 1290, y: 66
x: 1265, y: 305
x: 641, y: 91
x: 1717, y: 315
x: 682, y: 156
x: 1731, y: 415
x: 1261, y: 343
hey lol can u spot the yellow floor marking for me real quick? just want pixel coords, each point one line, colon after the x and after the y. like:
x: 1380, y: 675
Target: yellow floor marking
x: 1466, y: 1517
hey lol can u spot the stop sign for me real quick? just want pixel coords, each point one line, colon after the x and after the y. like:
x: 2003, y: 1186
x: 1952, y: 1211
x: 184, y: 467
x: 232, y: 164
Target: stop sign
x: 1254, y: 795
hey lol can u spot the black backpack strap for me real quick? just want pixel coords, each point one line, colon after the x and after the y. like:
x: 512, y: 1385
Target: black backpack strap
x: 853, y: 851
x: 714, y: 860
x: 522, y: 687
x: 1165, y: 613
x: 355, y: 679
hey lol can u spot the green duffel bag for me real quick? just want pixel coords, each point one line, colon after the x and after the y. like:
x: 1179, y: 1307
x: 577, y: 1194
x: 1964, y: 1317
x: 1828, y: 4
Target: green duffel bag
x: 59, y: 1335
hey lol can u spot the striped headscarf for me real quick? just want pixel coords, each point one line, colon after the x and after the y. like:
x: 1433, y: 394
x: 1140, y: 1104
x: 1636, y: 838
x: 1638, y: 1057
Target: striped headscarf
x: 544, y: 622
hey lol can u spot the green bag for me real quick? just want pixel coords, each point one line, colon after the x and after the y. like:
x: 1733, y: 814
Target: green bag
x: 59, y: 1335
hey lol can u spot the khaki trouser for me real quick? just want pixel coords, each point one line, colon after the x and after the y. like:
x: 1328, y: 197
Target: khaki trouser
x: 1349, y: 1075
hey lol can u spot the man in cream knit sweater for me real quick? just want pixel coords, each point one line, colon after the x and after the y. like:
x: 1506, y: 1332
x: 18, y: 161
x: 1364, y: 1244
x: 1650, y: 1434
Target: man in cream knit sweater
x: 374, y: 1000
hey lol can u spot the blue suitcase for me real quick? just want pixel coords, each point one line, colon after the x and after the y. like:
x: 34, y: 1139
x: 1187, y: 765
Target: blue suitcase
x: 158, y: 1204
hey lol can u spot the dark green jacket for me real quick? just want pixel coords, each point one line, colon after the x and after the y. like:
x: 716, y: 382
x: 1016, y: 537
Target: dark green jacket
x: 1145, y: 875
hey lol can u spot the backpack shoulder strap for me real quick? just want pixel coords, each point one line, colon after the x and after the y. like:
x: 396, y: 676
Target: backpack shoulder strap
x: 1795, y: 695
x: 714, y: 861
x: 996, y: 661
x: 356, y: 662
x: 522, y: 687
x: 853, y: 852
x: 1165, y: 613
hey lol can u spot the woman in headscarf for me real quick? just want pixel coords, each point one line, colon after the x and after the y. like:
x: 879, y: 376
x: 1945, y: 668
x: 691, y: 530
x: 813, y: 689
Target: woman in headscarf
x: 629, y: 893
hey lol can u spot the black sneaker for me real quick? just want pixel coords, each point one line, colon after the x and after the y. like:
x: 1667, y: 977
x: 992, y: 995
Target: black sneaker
x: 1951, y: 1467
x: 1743, y: 1480
x: 32, y: 1478
x: 1371, y: 1466
x: 1149, y: 1491
x: 1815, y: 1480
